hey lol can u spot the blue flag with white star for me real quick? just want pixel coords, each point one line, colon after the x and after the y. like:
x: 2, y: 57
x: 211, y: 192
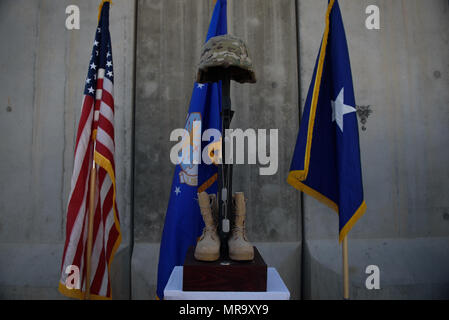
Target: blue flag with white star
x: 326, y: 162
x: 183, y: 221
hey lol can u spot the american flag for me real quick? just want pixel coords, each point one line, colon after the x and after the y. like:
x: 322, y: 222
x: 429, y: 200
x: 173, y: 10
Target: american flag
x: 94, y: 141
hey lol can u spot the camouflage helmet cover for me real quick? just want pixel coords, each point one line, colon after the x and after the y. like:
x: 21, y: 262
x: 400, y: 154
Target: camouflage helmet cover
x: 225, y: 52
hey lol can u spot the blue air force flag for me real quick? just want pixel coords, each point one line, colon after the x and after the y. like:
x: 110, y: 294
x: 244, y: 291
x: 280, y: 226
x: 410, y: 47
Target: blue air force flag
x: 326, y: 163
x: 183, y: 221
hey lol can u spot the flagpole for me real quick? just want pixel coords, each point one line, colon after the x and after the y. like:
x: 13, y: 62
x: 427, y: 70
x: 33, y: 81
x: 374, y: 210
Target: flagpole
x: 93, y: 175
x: 345, y: 270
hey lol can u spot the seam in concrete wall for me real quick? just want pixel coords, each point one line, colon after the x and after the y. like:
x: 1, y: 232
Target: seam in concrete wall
x: 133, y: 144
x: 301, y: 211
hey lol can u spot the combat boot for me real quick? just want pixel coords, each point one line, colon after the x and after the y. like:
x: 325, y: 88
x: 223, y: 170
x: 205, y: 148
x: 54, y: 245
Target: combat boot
x: 240, y: 249
x: 208, y: 246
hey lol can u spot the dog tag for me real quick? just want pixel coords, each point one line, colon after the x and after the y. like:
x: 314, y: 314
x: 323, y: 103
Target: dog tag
x: 224, y: 194
x: 226, y: 227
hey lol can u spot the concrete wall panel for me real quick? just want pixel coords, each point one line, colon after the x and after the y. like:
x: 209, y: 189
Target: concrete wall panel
x: 44, y: 66
x: 170, y: 35
x: 401, y: 71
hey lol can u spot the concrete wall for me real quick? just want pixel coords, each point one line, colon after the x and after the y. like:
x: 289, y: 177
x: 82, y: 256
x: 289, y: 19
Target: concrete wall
x: 401, y: 71
x: 44, y: 66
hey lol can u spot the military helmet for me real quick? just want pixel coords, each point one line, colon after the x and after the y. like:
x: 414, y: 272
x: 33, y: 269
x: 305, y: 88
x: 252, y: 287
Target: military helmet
x: 225, y: 53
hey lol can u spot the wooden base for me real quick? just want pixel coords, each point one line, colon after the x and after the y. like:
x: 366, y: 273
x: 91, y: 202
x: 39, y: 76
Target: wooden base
x: 225, y: 274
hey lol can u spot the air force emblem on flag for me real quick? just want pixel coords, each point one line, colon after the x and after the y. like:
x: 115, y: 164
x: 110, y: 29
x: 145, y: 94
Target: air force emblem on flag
x: 189, y: 160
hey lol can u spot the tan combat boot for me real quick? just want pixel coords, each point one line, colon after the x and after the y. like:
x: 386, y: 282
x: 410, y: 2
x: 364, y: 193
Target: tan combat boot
x: 240, y: 249
x: 208, y: 246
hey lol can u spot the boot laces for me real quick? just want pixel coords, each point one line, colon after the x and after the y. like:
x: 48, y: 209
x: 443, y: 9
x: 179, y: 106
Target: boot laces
x: 239, y: 230
x: 210, y: 231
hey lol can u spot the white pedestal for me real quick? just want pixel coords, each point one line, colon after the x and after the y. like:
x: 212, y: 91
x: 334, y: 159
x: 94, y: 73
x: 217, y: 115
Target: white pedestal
x: 276, y: 290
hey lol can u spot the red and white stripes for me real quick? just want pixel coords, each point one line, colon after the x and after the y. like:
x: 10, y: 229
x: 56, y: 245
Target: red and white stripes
x: 95, y: 131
